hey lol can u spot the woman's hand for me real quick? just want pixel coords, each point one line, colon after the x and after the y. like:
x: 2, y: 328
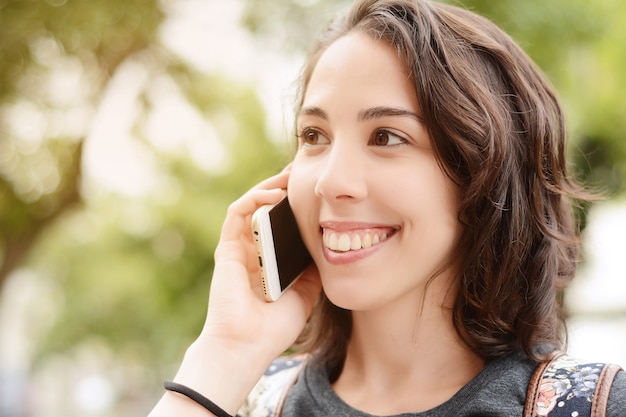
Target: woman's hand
x: 242, y: 333
x: 238, y: 315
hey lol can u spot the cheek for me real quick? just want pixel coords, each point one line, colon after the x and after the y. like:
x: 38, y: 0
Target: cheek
x: 300, y: 190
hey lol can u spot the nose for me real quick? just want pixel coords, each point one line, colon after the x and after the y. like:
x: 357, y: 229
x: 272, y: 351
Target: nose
x: 342, y: 174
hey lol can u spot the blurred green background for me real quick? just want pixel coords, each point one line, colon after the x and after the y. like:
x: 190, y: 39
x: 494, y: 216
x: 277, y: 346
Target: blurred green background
x: 128, y: 126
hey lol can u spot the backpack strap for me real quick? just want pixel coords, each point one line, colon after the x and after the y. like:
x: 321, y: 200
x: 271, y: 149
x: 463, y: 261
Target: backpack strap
x: 565, y: 386
x: 603, y: 389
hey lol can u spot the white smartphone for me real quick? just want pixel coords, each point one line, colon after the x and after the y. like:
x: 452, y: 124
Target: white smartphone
x: 281, y: 251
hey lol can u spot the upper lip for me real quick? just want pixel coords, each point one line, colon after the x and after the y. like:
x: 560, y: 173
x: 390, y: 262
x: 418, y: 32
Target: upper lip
x: 347, y: 226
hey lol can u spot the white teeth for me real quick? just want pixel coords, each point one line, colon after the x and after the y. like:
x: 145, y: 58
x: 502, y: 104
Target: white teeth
x: 332, y: 241
x: 355, y: 244
x: 366, y: 242
x: 343, y: 242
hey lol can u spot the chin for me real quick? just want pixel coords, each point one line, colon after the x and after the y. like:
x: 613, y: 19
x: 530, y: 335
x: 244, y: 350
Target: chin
x: 349, y: 298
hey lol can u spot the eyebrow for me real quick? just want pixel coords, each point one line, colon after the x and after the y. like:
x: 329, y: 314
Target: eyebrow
x: 313, y: 111
x: 385, y: 111
x: 367, y: 114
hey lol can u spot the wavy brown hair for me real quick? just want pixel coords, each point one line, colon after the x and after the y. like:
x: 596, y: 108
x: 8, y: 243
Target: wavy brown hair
x: 498, y: 132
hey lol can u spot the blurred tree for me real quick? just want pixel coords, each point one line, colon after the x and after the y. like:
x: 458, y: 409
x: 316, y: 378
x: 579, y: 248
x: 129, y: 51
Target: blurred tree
x: 581, y: 47
x: 129, y: 269
x: 299, y: 21
x: 56, y: 58
x: 138, y: 269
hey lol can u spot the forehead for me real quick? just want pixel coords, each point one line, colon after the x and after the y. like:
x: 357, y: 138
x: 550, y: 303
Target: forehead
x: 358, y: 67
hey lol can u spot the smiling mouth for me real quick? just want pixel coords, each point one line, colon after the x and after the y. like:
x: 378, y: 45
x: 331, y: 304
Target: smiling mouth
x: 355, y: 240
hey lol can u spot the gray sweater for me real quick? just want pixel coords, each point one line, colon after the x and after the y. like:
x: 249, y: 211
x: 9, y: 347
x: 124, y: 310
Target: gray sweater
x: 498, y: 390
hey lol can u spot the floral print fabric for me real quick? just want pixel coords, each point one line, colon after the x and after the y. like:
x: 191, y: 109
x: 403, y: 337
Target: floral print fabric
x: 567, y: 388
x: 267, y: 397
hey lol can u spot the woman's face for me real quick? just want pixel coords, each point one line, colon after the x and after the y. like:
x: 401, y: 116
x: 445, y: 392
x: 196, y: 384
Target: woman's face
x: 376, y: 211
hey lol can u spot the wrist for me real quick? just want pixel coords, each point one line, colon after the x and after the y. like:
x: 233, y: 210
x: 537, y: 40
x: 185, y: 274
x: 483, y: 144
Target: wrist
x: 224, y: 374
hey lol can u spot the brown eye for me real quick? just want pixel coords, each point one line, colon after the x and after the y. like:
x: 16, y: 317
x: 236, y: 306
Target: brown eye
x: 312, y: 137
x: 386, y: 138
x: 381, y: 138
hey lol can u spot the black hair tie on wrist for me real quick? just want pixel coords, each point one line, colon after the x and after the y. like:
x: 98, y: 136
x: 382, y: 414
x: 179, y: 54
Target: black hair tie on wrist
x: 197, y: 397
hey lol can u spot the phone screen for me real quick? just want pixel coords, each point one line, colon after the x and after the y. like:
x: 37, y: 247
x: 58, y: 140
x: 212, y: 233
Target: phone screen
x: 292, y: 257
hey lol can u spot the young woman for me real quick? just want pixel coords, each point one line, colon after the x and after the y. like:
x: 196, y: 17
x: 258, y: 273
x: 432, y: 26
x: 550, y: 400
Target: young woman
x: 430, y: 187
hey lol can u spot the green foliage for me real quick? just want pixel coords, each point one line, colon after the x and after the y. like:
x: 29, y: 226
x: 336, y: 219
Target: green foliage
x: 299, y: 21
x: 580, y: 45
x: 40, y: 154
x: 137, y: 271
x: 106, y: 29
x: 131, y: 271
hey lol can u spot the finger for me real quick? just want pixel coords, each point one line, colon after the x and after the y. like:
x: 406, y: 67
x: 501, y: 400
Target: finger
x: 279, y: 180
x: 252, y: 200
x: 237, y: 221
